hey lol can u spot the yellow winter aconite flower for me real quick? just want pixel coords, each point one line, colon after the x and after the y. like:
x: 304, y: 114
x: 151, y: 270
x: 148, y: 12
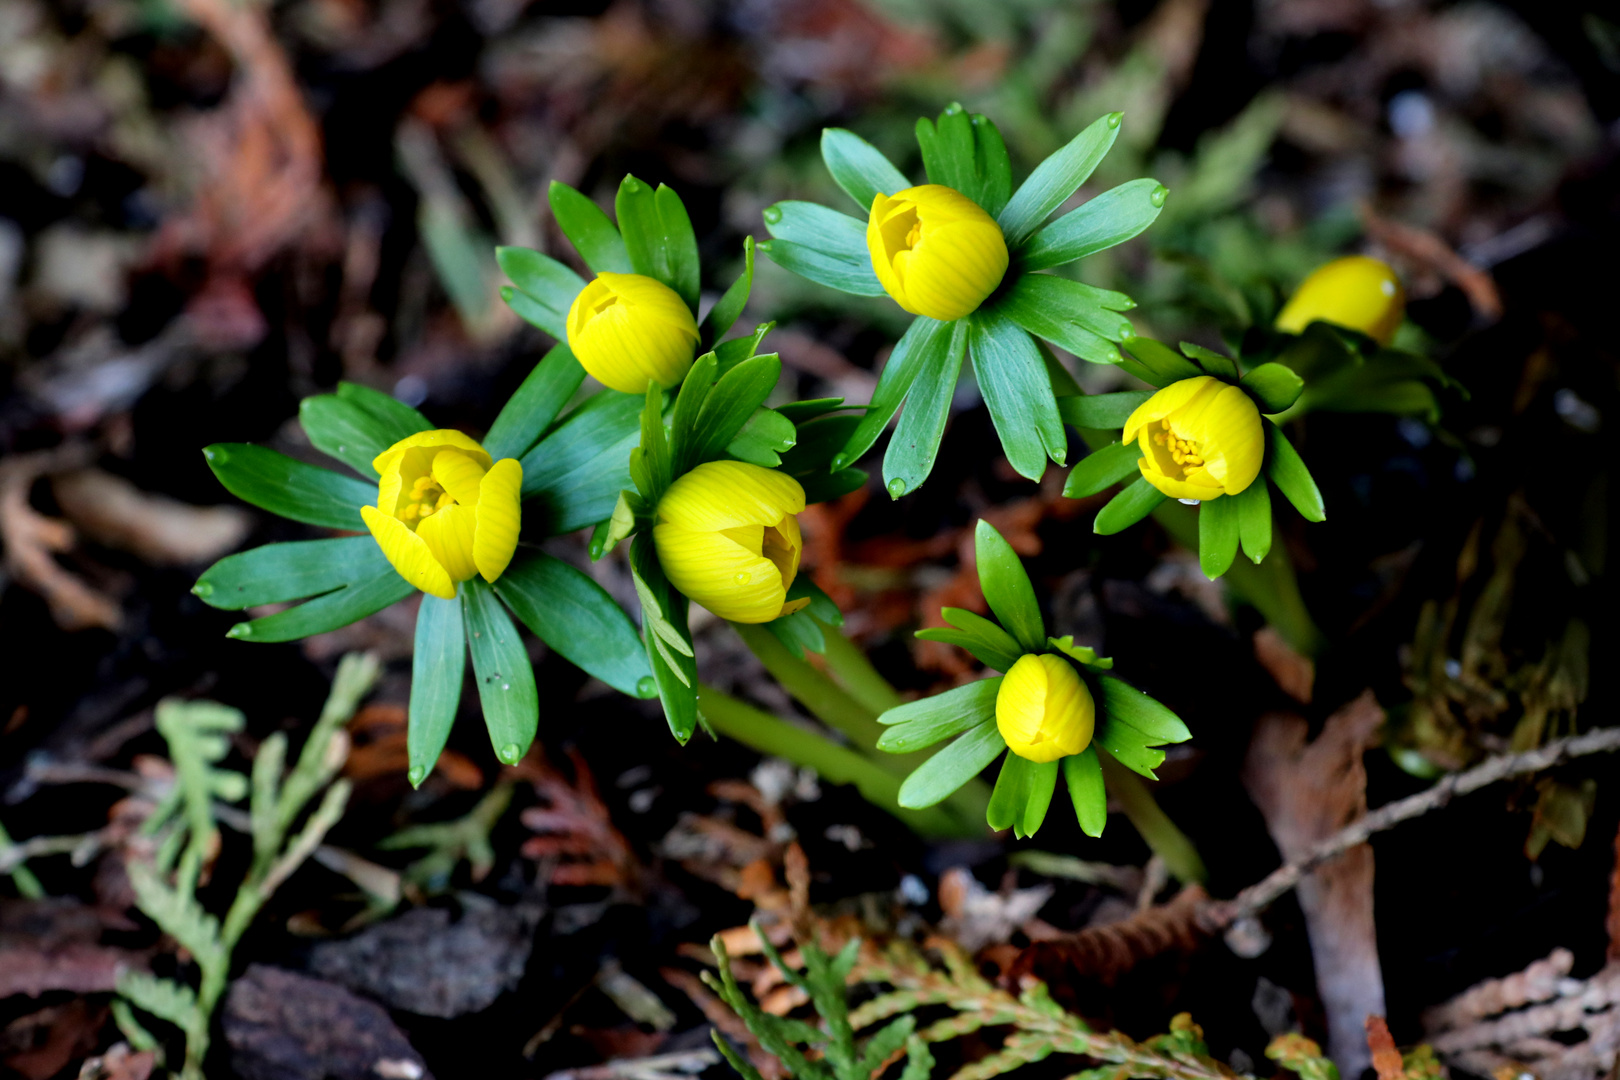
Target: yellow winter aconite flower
x: 1355, y: 291
x: 935, y: 251
x: 445, y: 510
x: 1043, y: 710
x: 629, y: 329
x: 1200, y: 438
x: 727, y: 538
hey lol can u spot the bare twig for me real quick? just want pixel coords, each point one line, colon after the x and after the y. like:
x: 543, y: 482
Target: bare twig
x: 1217, y: 916
x: 659, y: 1067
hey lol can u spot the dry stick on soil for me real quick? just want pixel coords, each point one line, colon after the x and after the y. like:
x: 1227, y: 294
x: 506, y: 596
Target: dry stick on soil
x: 1256, y: 898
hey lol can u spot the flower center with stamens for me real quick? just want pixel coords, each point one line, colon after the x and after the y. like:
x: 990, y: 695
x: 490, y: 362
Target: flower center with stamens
x: 1184, y: 452
x: 427, y: 497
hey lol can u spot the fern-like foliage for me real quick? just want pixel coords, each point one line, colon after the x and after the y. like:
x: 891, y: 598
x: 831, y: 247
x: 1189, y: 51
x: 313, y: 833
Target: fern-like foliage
x: 184, y: 824
x: 1036, y: 1026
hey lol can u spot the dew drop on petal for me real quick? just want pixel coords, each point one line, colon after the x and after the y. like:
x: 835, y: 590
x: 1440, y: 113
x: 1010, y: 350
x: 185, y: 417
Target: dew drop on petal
x: 743, y: 579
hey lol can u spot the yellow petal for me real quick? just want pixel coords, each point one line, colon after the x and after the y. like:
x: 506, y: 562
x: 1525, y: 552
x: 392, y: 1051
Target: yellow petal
x: 1171, y: 399
x: 449, y: 536
x: 499, y: 518
x: 459, y: 475
x: 935, y: 251
x: 726, y: 494
x: 629, y: 329
x: 1233, y: 436
x: 431, y: 440
x: 716, y: 571
x: 886, y: 227
x: 1358, y: 292
x: 1043, y: 709
x: 1177, y: 488
x: 408, y: 554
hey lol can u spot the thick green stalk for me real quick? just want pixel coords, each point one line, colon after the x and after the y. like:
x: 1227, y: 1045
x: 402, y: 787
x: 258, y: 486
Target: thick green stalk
x: 1270, y: 587
x: 830, y: 703
x: 1163, y: 838
x: 837, y: 764
x: 854, y: 672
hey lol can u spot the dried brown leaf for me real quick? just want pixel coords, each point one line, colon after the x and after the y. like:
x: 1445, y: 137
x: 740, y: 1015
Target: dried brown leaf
x: 1109, y: 951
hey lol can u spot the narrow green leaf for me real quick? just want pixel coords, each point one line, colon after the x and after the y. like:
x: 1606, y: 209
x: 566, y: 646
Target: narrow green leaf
x: 941, y: 775
x: 694, y: 392
x: 798, y: 633
x: 728, y: 354
x: 824, y: 267
x: 1009, y: 800
x: 825, y: 487
x: 915, y: 443
x: 1017, y: 391
x: 1274, y: 387
x: 731, y: 403
x: 276, y: 573
x: 1127, y: 508
x: 576, y: 617
x: 966, y: 152
x: 1007, y: 588
x: 1102, y: 469
x: 398, y: 418
x: 658, y: 236
x: 1100, y: 412
x: 1254, y: 519
x: 528, y: 412
x: 1125, y: 703
x: 438, y: 666
x: 536, y: 313
x: 912, y: 354
x: 573, y: 476
x: 992, y: 637
x: 547, y: 282
x: 340, y: 608
x: 1163, y: 363
x: 1130, y: 748
x: 589, y: 229
x: 275, y: 482
x: 1068, y: 314
x: 812, y: 409
x: 1217, y: 535
x: 920, y: 724
x: 1042, y: 783
x: 822, y: 245
x: 501, y: 664
x: 343, y: 426
x: 1113, y: 217
x: 859, y: 167
x: 1287, y: 470
x: 1083, y: 773
x: 726, y: 310
x: 1212, y: 362
x: 663, y: 617
x: 763, y: 439
x: 1056, y: 178
x: 816, y: 441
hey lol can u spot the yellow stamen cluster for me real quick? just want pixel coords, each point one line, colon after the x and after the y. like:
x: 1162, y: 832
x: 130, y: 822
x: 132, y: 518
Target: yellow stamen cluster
x: 425, y: 498
x: 1183, y: 452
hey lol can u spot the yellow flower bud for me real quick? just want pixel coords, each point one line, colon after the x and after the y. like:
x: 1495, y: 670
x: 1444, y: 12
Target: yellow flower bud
x: 445, y: 510
x: 1200, y: 438
x: 628, y: 330
x: 1043, y: 709
x: 1360, y: 293
x: 727, y: 538
x: 935, y: 251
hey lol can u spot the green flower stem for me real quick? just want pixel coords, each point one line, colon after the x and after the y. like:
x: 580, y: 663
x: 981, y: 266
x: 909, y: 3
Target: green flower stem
x: 831, y: 704
x: 1163, y: 838
x: 837, y: 764
x: 28, y: 886
x: 1271, y: 587
x: 854, y: 672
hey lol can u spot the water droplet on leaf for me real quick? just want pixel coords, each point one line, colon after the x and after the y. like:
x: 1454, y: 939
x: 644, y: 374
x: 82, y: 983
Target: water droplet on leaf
x: 897, y: 488
x: 510, y: 753
x: 838, y: 463
x: 773, y: 214
x: 1115, y: 118
x: 1160, y: 193
x: 202, y: 588
x: 416, y: 775
x: 647, y: 687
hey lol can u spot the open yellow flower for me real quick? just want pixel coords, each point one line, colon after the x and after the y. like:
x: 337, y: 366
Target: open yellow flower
x: 1201, y: 438
x: 935, y: 250
x: 1043, y: 710
x: 629, y: 330
x: 1355, y: 291
x: 445, y: 510
x: 727, y: 538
